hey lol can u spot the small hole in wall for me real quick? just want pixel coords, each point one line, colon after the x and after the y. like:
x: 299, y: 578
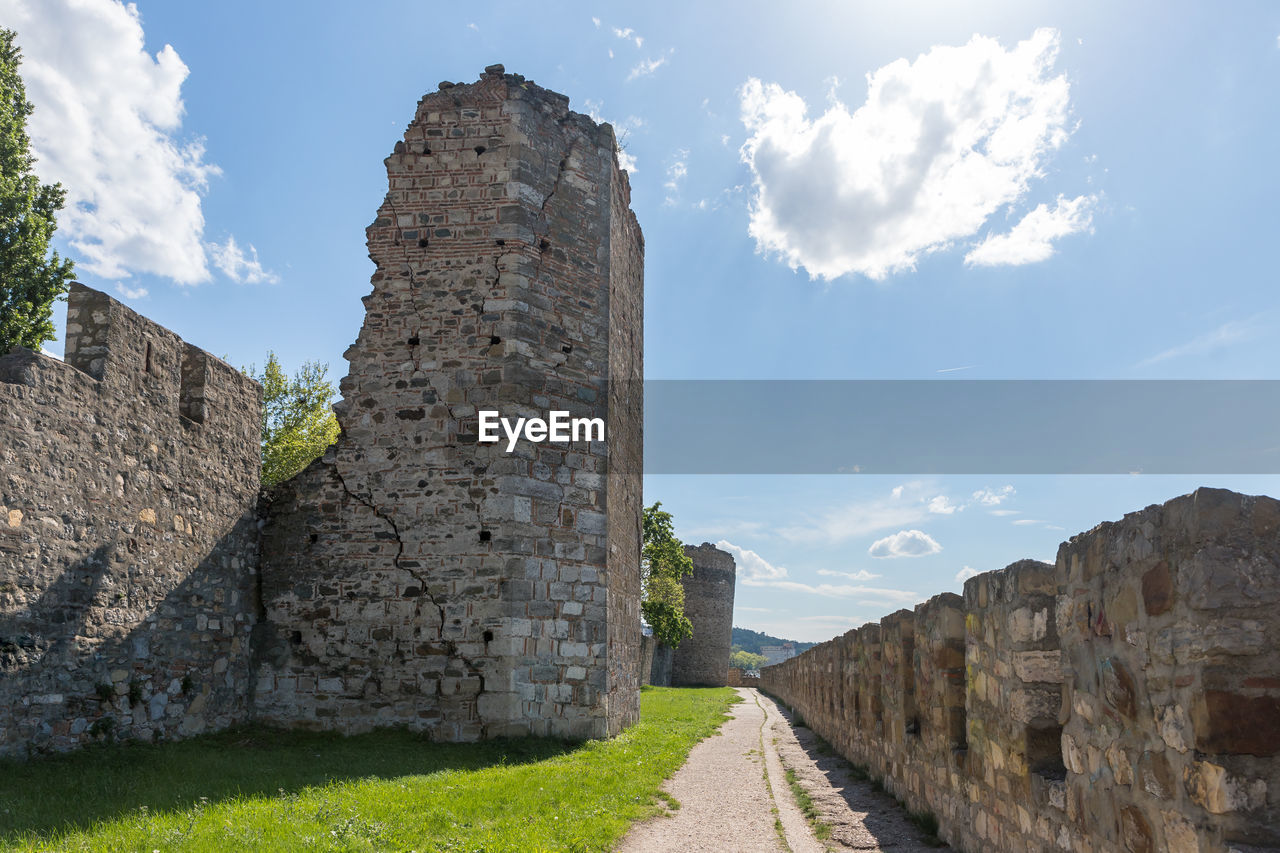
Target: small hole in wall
x: 315, y: 537
x: 501, y: 242
x: 296, y: 638
x: 146, y: 364
x: 414, y: 341
x: 488, y: 636
x: 566, y: 349
x: 479, y: 149
x: 494, y: 340
x: 563, y: 163
x: 422, y: 242
x: 426, y: 149
x: 543, y: 245
x: 485, y: 535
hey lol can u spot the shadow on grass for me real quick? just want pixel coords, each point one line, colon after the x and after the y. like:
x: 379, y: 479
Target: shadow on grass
x: 73, y: 791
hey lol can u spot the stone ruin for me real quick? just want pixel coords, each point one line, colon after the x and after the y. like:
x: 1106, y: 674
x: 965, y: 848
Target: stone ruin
x: 1125, y: 698
x: 412, y: 576
x: 701, y: 660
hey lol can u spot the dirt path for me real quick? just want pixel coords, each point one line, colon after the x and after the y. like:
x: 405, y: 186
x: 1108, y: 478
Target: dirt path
x: 734, y: 796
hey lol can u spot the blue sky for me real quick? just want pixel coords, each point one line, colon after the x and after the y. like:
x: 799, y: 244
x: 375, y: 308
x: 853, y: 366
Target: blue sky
x: 827, y: 190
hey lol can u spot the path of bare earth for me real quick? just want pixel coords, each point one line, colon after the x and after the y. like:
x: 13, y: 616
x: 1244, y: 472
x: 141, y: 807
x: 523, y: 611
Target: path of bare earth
x: 734, y: 795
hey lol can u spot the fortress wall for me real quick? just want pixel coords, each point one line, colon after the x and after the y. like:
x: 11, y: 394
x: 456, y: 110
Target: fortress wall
x: 128, y: 538
x: 1125, y: 698
x: 702, y: 660
x: 414, y: 576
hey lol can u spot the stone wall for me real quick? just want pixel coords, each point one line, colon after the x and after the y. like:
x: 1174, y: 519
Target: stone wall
x: 414, y: 576
x: 1126, y: 698
x: 128, y: 537
x: 702, y: 660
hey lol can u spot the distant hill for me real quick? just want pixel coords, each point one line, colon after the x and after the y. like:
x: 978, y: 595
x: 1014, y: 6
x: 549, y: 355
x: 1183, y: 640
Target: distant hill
x: 751, y: 641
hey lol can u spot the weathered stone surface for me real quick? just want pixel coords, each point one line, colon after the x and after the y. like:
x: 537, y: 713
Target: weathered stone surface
x: 413, y: 576
x: 702, y: 660
x: 1143, y: 715
x: 1237, y: 724
x: 128, y: 537
x: 461, y: 589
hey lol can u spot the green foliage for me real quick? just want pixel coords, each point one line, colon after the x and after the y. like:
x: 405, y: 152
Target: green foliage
x: 752, y: 641
x: 297, y: 423
x: 745, y: 660
x: 30, y: 278
x: 262, y: 789
x: 662, y: 564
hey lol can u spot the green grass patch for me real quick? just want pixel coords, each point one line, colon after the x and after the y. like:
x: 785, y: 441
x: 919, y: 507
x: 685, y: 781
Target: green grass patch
x: 821, y: 830
x: 388, y: 790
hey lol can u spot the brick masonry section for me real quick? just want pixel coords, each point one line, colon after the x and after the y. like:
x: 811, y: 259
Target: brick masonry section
x: 128, y: 535
x: 1125, y: 698
x: 414, y: 576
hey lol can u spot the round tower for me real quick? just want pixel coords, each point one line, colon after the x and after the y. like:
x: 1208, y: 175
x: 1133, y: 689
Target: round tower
x: 703, y: 659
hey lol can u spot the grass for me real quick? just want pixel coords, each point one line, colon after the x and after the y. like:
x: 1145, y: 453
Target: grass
x: 821, y: 831
x: 388, y: 790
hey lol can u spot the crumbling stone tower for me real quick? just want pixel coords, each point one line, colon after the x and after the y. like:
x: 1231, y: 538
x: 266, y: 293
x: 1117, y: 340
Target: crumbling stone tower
x: 703, y: 659
x: 413, y: 575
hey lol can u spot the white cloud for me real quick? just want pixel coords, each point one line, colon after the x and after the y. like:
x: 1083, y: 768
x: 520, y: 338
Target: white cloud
x: 966, y: 573
x: 1004, y: 512
x: 1031, y: 240
x: 238, y: 266
x: 857, y: 519
x: 131, y: 292
x: 472, y: 26
x: 1025, y: 521
x: 904, y: 543
x: 596, y: 21
x: 1223, y: 336
x: 108, y: 125
x: 647, y: 66
x: 676, y: 173
x: 993, y: 497
x: 628, y: 34
x: 942, y: 505
x: 940, y: 145
x: 860, y: 575
x: 755, y: 570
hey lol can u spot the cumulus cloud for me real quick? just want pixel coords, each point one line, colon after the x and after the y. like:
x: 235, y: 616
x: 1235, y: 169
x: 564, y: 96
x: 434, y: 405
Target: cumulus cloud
x: 993, y: 497
x: 904, y: 543
x: 966, y: 573
x: 238, y: 266
x: 942, y: 505
x: 108, y: 125
x: 755, y: 570
x: 1032, y: 239
x: 940, y: 145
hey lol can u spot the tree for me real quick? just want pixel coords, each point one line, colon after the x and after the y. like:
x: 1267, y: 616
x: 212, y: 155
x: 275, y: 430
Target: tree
x: 297, y: 422
x: 662, y: 564
x: 29, y: 281
x: 746, y: 660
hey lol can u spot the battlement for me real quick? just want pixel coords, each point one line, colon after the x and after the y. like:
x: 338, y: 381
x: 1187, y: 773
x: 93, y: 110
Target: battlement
x: 1125, y: 697
x: 128, y: 493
